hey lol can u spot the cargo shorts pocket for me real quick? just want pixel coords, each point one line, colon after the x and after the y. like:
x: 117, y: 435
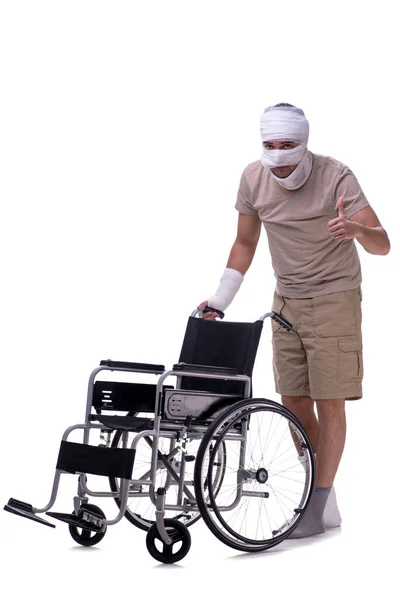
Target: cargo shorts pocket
x: 350, y: 361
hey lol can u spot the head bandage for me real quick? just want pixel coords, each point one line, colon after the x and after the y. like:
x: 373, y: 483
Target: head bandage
x: 286, y: 123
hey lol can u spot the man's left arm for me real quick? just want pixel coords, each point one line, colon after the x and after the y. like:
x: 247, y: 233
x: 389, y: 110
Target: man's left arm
x: 369, y: 232
x: 364, y: 226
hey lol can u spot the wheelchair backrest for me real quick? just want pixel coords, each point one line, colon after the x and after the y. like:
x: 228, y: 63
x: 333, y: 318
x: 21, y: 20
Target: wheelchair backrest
x: 219, y: 344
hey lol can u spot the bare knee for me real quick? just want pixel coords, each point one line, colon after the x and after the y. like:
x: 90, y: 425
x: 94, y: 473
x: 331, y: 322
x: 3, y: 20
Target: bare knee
x: 330, y: 409
x: 301, y: 406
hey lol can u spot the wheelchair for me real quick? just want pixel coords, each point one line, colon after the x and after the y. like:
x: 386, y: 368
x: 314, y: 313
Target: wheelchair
x: 200, y: 448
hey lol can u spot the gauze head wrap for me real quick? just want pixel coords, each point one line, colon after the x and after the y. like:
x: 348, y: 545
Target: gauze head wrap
x: 286, y: 123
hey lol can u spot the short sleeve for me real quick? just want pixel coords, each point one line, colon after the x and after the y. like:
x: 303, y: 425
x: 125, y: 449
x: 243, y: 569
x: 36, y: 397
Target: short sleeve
x: 243, y: 201
x: 347, y: 186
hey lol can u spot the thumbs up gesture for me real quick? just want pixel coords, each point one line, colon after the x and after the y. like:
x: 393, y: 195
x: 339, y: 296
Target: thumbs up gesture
x: 342, y: 228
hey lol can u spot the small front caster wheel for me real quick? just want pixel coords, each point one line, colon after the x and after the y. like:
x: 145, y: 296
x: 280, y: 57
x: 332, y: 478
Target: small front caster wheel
x: 87, y: 536
x: 169, y: 553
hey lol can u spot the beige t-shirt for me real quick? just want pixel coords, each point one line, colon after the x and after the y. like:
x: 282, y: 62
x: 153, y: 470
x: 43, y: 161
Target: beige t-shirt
x: 306, y: 259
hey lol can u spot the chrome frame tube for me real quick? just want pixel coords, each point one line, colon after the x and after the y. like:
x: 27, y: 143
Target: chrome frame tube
x: 155, y: 433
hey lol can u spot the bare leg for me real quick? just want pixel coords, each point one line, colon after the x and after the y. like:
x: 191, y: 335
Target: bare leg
x: 327, y: 437
x: 303, y: 408
x: 331, y: 439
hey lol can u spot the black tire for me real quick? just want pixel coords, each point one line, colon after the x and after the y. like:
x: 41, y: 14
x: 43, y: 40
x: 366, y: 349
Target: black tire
x: 85, y: 537
x: 216, y: 432
x: 178, y: 533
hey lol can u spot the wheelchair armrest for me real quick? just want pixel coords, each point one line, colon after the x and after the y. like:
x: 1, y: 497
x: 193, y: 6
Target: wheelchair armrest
x: 205, y: 369
x: 143, y: 367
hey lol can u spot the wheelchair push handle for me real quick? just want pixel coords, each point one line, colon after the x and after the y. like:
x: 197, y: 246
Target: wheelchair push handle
x: 208, y: 309
x: 284, y: 323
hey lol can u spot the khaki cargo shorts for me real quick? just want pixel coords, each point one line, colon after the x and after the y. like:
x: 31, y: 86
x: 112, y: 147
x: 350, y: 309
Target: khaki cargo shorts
x: 322, y: 356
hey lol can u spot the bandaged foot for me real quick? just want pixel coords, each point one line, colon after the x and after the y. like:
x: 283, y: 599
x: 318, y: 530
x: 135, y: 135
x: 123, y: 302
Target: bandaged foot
x: 313, y: 523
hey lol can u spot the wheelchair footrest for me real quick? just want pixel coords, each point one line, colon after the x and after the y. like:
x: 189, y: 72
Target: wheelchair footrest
x: 86, y: 520
x: 23, y: 509
x: 83, y: 458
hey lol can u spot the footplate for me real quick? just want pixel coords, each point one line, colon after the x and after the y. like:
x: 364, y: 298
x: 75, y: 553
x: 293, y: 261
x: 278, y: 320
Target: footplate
x: 23, y: 509
x: 86, y: 520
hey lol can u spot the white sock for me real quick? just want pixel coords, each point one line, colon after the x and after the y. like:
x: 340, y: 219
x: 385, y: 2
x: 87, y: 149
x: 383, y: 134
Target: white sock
x: 331, y: 514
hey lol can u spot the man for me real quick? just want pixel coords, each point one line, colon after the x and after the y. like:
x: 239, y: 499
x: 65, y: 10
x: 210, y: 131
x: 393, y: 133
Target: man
x: 313, y: 210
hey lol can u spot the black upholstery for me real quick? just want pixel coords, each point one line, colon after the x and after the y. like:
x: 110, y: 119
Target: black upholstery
x: 220, y: 344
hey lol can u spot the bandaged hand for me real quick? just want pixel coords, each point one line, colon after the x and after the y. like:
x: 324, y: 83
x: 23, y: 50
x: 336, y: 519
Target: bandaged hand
x: 230, y: 283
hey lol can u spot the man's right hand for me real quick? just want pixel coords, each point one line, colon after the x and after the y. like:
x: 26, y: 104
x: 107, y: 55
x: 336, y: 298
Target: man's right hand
x: 210, y: 316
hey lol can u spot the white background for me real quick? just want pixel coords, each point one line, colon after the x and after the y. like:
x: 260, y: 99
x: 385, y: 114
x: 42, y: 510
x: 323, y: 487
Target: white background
x: 125, y: 127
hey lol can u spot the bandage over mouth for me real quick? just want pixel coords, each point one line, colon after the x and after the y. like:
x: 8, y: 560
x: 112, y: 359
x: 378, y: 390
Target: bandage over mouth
x: 283, y: 158
x: 284, y: 123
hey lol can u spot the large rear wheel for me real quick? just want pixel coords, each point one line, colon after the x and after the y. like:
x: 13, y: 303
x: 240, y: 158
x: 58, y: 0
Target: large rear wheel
x: 267, y: 484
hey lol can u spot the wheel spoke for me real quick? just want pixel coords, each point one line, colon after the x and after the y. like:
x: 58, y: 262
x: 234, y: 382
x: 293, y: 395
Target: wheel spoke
x: 262, y: 483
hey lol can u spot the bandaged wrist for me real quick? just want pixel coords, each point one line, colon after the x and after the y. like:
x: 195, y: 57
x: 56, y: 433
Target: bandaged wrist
x: 230, y: 283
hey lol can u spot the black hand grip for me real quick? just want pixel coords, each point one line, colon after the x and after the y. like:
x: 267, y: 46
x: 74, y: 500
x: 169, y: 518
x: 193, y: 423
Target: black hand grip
x: 282, y: 321
x: 208, y: 309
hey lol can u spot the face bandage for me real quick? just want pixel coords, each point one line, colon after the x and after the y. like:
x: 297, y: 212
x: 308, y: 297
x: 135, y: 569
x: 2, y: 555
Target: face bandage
x: 299, y: 176
x: 283, y: 158
x: 287, y: 123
